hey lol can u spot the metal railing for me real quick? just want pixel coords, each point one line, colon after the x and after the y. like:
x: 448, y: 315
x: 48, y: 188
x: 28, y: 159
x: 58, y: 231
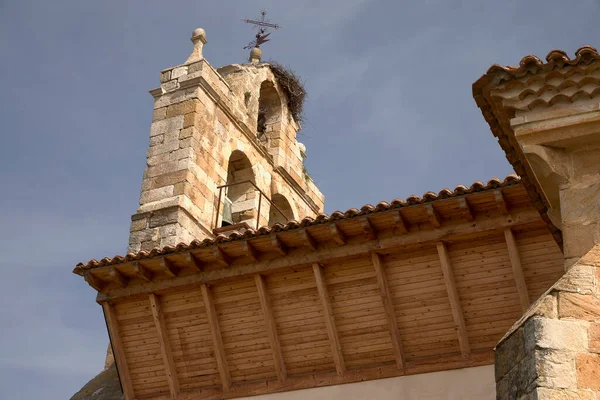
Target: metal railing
x: 260, y: 196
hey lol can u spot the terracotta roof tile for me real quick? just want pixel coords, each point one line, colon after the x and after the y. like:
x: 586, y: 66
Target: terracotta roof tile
x: 305, y: 222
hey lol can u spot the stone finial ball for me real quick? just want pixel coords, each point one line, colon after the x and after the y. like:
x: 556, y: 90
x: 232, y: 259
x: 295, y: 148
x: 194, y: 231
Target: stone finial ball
x: 199, y: 33
x: 255, y: 53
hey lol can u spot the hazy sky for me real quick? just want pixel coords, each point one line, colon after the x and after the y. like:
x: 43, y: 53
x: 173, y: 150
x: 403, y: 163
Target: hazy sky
x: 389, y: 114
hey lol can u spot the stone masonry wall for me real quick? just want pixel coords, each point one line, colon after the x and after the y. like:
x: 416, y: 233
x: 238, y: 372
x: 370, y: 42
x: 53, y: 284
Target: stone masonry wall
x: 198, y: 122
x: 553, y: 351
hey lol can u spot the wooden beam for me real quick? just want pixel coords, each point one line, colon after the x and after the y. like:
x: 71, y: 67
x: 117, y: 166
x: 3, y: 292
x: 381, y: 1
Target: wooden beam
x: 222, y: 257
x: 165, y: 348
x: 250, y: 251
x: 457, y: 313
x: 453, y: 230
x: 308, y: 239
x: 271, y: 326
x: 192, y: 261
x: 142, y: 272
x: 217, y: 340
x: 93, y: 280
x: 465, y: 208
x: 118, y: 350
x: 337, y: 234
x: 432, y: 215
x: 334, y: 340
x: 389, y: 309
x: 517, y: 268
x: 118, y: 277
x: 168, y: 266
x: 368, y: 228
x: 278, y: 245
x: 501, y: 202
x: 400, y: 224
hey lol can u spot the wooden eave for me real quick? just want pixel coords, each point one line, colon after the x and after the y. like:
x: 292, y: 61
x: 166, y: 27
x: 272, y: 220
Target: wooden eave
x: 416, y: 289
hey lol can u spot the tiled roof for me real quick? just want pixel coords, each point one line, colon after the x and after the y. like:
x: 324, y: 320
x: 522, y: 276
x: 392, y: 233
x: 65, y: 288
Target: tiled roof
x: 487, y: 89
x: 322, y: 218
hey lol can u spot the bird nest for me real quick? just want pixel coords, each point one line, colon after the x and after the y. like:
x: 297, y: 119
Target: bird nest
x: 293, y: 88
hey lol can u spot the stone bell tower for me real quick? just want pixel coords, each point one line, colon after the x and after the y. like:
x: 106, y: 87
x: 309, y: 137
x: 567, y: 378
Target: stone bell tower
x: 223, y: 154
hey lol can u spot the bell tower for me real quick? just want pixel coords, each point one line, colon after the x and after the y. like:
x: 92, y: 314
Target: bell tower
x: 223, y: 153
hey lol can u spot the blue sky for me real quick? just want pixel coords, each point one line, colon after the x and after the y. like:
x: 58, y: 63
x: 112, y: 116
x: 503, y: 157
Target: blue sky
x: 389, y: 114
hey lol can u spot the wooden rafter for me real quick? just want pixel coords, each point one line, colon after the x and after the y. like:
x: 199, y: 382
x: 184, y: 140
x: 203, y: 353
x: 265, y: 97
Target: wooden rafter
x: 271, y: 327
x: 450, y: 231
x: 334, y: 340
x: 165, y: 348
x: 142, y: 272
x: 336, y: 233
x: 250, y: 251
x: 118, y: 277
x: 118, y: 350
x: 193, y: 261
x: 389, y: 309
x: 222, y: 258
x: 501, y: 202
x: 93, y: 281
x: 457, y: 313
x: 517, y: 268
x: 168, y: 267
x: 432, y: 215
x: 400, y: 224
x: 309, y: 241
x: 278, y: 245
x: 368, y: 228
x: 217, y: 339
x: 465, y: 208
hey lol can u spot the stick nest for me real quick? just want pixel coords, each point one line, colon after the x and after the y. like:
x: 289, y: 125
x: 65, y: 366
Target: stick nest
x: 293, y: 88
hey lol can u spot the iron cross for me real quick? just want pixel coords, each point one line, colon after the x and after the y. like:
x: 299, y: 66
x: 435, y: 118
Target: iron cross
x: 263, y: 25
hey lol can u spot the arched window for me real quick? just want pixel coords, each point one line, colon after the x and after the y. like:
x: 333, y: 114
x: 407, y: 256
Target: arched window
x: 241, y: 197
x: 269, y: 110
x: 280, y: 203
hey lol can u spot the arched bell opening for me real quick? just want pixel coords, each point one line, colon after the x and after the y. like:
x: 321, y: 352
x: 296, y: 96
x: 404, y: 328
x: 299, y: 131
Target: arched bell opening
x: 239, y: 203
x: 280, y: 211
x: 269, y: 112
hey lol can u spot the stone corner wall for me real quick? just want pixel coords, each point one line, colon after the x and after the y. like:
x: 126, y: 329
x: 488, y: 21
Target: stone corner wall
x: 553, y: 351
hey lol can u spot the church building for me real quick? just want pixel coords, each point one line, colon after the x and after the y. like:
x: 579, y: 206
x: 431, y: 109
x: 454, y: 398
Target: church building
x: 237, y: 285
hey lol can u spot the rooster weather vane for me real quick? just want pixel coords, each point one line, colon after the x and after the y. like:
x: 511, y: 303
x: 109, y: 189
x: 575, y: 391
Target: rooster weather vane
x: 262, y: 25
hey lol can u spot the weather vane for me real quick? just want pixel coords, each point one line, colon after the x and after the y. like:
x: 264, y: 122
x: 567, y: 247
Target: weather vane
x: 262, y: 25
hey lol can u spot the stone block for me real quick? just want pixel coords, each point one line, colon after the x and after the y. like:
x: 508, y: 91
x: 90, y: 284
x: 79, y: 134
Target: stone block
x: 156, y: 140
x: 555, y: 369
x: 165, y: 147
x: 547, y: 307
x: 179, y: 71
x: 588, y: 371
x: 243, y: 206
x: 509, y: 353
x: 185, y: 107
x: 161, y: 158
x: 165, y: 77
x: 138, y: 224
x: 149, y: 245
x: 579, y: 279
x: 166, y: 125
x: 579, y: 306
x: 594, y: 339
x: 164, y: 217
x: 156, y: 194
x: 142, y: 236
x: 544, y: 333
x: 169, y: 86
x: 188, y: 132
x: 159, y: 114
x: 562, y: 394
x: 168, y: 230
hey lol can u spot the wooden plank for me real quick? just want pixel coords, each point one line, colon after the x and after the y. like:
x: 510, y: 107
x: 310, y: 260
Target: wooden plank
x: 217, y: 340
x: 368, y: 228
x: 118, y: 277
x: 337, y: 234
x: 278, y: 245
x: 501, y: 202
x: 271, y: 326
x: 168, y: 266
x: 336, y: 346
x: 221, y: 257
x: 400, y: 225
x: 165, y: 347
x: 451, y: 231
x: 457, y: 313
x: 142, y: 272
x: 517, y: 268
x: 250, y: 251
x: 119, y: 352
x: 432, y: 215
x: 93, y: 281
x: 465, y: 209
x: 389, y: 310
x: 309, y: 241
x: 192, y: 261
